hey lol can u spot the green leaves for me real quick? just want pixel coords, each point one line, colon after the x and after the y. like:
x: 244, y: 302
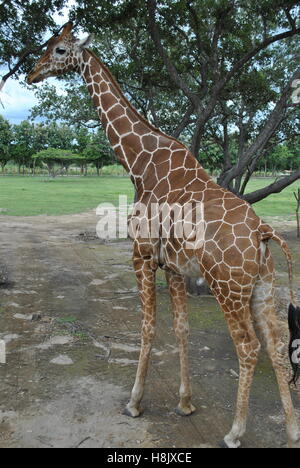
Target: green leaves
x: 23, y: 26
x: 27, y: 144
x: 6, y: 137
x: 178, y: 81
x: 56, y: 155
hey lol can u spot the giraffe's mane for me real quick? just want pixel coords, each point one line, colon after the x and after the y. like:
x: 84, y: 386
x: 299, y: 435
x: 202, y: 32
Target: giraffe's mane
x: 140, y: 116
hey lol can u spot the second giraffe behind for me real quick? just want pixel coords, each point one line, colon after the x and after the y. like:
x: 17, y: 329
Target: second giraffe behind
x: 233, y: 256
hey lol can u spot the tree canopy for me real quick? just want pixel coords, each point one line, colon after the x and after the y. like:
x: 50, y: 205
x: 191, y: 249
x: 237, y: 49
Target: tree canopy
x: 6, y: 137
x: 28, y: 144
x: 217, y: 74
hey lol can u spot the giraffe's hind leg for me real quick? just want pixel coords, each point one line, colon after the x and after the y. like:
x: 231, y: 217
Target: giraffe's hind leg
x: 264, y: 313
x: 247, y: 347
x: 181, y: 327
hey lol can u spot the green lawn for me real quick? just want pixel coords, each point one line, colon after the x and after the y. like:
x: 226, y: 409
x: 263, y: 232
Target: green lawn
x: 25, y: 196
x: 279, y: 204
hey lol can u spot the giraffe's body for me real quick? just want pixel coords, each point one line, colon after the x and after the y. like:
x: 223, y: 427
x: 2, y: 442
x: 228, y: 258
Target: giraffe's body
x: 164, y: 171
x: 232, y: 254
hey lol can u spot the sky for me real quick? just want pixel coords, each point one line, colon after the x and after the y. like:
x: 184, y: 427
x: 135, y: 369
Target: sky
x: 17, y: 101
x: 17, y: 98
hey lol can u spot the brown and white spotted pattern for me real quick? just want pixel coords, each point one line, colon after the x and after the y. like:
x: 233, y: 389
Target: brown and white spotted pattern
x: 234, y: 257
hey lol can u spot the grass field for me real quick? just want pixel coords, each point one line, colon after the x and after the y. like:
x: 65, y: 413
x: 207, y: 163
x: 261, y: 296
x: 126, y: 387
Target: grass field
x: 27, y: 196
x: 279, y: 204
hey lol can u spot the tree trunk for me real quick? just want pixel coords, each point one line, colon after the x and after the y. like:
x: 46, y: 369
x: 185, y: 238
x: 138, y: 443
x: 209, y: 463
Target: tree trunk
x: 297, y: 196
x: 275, y: 187
x: 226, y: 147
x: 272, y: 124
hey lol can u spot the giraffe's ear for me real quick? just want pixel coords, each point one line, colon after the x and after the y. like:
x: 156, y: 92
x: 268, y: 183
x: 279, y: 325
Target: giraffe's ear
x: 84, y: 43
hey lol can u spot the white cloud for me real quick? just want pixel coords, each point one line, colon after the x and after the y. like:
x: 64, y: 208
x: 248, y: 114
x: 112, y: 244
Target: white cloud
x: 17, y: 101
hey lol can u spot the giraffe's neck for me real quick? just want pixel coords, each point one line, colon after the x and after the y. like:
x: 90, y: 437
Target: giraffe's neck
x: 154, y: 161
x: 130, y: 135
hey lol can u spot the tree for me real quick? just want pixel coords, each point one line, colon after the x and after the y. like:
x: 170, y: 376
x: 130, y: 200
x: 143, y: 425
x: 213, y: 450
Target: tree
x: 279, y: 158
x: 217, y: 72
x: 23, y: 147
x: 6, y: 138
x: 297, y: 197
x: 23, y: 25
x: 60, y: 136
x: 73, y: 107
x: 205, y: 48
x: 295, y: 151
x: 53, y: 157
x: 30, y: 138
x: 97, y: 151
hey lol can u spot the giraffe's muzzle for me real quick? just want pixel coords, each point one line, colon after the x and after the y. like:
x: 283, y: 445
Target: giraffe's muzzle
x: 31, y: 81
x: 34, y: 77
x: 37, y: 75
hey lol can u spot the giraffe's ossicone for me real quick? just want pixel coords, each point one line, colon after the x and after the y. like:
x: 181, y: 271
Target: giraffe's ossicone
x: 227, y: 244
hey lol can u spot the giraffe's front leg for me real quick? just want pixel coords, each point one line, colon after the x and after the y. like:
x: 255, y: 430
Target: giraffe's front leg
x: 145, y: 273
x: 181, y: 326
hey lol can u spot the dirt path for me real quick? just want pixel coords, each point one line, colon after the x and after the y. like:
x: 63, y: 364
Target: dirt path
x: 70, y: 315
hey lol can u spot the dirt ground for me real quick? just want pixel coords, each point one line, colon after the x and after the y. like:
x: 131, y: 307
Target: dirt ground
x: 70, y: 315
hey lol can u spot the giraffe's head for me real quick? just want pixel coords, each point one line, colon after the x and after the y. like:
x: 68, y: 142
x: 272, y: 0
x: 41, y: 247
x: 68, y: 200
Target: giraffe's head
x: 63, y: 55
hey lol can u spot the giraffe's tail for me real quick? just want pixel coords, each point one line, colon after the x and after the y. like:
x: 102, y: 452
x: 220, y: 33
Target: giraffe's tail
x: 268, y: 233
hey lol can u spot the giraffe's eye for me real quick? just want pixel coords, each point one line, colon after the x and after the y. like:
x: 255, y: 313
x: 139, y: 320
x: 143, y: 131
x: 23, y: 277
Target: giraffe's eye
x: 60, y: 51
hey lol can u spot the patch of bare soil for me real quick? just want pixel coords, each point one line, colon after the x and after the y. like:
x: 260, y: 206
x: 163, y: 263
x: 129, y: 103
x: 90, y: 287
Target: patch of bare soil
x: 71, y: 322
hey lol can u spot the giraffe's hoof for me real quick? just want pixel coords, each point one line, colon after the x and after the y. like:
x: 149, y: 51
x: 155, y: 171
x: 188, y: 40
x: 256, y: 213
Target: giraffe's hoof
x: 185, y: 411
x: 230, y: 445
x: 132, y: 412
x: 223, y: 445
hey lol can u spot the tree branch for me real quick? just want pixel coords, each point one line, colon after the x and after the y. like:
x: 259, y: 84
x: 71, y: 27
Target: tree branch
x: 220, y: 84
x: 195, y: 20
x: 4, y: 3
x: 291, y: 20
x: 263, y: 45
x: 154, y: 32
x: 185, y: 121
x: 272, y: 124
x: 204, y: 113
x: 219, y: 28
x: 276, y: 187
x: 251, y: 168
x: 23, y: 59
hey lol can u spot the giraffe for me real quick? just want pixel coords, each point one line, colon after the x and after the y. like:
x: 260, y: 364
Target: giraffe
x: 233, y: 256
